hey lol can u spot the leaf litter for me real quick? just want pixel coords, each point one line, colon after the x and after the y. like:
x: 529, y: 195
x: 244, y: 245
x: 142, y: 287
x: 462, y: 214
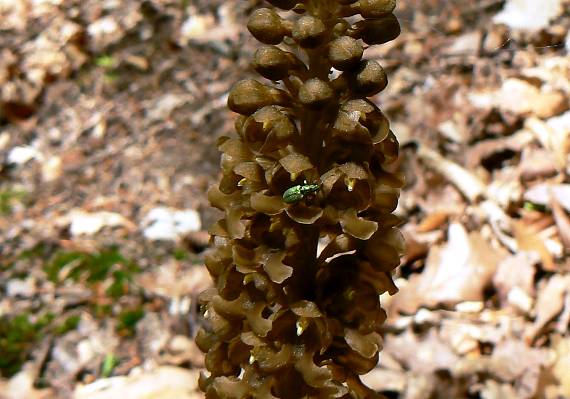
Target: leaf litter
x: 105, y: 116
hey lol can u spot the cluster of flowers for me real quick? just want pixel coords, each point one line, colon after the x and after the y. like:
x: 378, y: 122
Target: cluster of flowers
x: 308, y: 241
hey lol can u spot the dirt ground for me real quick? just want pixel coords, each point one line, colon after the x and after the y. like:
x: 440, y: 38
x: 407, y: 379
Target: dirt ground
x: 109, y: 115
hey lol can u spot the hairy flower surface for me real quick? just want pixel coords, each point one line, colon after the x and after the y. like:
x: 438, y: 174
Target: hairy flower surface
x: 308, y: 241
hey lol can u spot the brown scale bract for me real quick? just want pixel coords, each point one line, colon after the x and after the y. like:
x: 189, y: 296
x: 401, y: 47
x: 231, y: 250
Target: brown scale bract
x: 284, y: 319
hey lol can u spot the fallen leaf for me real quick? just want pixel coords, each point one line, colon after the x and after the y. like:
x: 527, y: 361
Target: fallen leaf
x: 458, y: 272
x: 516, y: 271
x: 422, y: 355
x: 528, y: 239
x: 432, y: 221
x: 562, y: 221
x: 549, y: 304
x: 173, y: 281
x: 561, y: 365
x: 165, y: 382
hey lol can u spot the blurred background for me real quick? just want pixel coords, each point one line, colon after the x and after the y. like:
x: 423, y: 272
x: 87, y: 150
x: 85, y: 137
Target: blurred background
x: 109, y: 115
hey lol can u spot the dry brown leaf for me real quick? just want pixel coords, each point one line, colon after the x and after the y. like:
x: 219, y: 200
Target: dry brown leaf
x: 165, y: 382
x: 554, y: 135
x: 432, y: 221
x: 561, y: 367
x: 457, y: 272
x: 173, y: 281
x: 562, y: 221
x: 466, y: 182
x: 525, y: 370
x: 528, y: 239
x: 549, y: 304
x: 422, y: 355
x: 516, y: 271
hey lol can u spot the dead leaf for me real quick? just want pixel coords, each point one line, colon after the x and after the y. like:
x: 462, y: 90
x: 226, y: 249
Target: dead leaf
x: 466, y: 182
x: 516, y: 271
x: 173, y: 281
x: 562, y: 221
x: 432, y: 221
x: 562, y: 364
x: 528, y: 240
x: 549, y: 304
x: 165, y: 382
x: 422, y: 355
x: 554, y: 135
x: 457, y: 272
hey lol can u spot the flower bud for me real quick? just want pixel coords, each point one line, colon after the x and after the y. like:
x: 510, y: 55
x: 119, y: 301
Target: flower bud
x: 315, y: 93
x: 247, y: 96
x: 266, y: 26
x: 273, y: 63
x: 309, y: 31
x: 376, y: 8
x: 377, y: 31
x: 370, y: 78
x: 345, y: 53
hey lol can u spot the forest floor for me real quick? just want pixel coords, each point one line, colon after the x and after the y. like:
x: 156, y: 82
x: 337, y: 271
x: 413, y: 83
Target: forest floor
x: 109, y: 115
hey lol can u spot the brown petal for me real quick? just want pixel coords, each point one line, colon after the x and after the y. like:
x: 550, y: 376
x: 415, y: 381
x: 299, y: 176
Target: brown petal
x: 270, y: 205
x: 306, y: 309
x: 313, y: 375
x: 341, y: 244
x: 296, y: 163
x: 249, y: 170
x: 236, y: 226
x: 365, y: 345
x: 274, y: 267
x: 356, y: 226
x: 304, y: 214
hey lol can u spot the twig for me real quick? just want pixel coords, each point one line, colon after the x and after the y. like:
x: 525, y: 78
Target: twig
x: 469, y: 185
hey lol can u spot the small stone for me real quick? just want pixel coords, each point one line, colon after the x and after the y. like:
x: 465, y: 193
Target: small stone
x: 167, y: 224
x: 23, y: 154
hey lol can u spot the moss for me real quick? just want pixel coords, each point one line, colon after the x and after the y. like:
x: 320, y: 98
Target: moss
x: 94, y: 268
x: 18, y: 335
x: 7, y: 199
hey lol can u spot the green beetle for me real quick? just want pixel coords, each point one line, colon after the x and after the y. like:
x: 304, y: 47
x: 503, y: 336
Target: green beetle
x: 297, y: 193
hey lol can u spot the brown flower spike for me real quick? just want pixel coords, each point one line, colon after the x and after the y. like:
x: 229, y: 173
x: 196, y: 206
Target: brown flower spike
x: 295, y: 312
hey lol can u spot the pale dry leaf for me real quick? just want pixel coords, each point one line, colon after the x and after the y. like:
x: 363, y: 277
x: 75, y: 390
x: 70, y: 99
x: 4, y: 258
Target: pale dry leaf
x: 458, y: 272
x: 173, y: 281
x: 516, y: 271
x: 422, y: 355
x: 165, y: 382
x: 549, y: 304
x: 503, y: 366
x: 562, y: 221
x: 466, y: 182
x: 554, y: 135
x: 528, y: 239
x: 561, y: 366
x: 537, y: 163
x: 432, y: 221
x: 531, y: 100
